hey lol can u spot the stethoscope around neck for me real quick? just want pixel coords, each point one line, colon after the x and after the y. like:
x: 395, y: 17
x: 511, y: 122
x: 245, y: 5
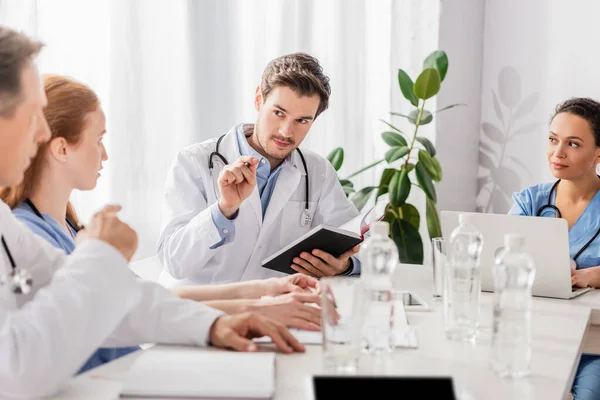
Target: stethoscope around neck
x: 305, y: 218
x: 20, y: 279
x: 558, y: 214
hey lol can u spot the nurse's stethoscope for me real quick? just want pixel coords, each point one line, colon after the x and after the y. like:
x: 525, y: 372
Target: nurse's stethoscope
x: 557, y: 214
x: 20, y: 279
x: 305, y: 218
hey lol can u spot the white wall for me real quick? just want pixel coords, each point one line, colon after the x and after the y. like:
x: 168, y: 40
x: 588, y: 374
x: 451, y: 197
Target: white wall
x: 457, y: 130
x: 537, y: 53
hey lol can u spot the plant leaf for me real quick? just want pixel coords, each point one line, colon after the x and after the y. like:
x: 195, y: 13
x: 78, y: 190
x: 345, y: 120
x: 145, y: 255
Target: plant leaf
x: 425, y: 181
x: 391, y: 126
x: 497, y: 106
x: 336, y: 158
x: 399, y: 188
x: 486, y: 147
x: 397, y: 114
x: 426, y: 118
x: 433, y: 219
x: 427, y: 144
x: 509, y: 87
x: 438, y: 168
x: 384, y: 182
x: 527, y: 105
x: 348, y: 186
x: 449, y: 107
x: 486, y: 161
x: 410, y: 214
x: 526, y: 129
x: 407, y: 87
x: 427, y: 84
x: 408, y: 241
x: 409, y: 167
x: 493, y: 133
x: 361, y: 197
x: 396, y: 153
x: 438, y: 60
x: 394, y: 139
x: 430, y: 165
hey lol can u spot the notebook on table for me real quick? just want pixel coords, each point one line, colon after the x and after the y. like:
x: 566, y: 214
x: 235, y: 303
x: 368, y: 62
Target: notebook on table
x: 176, y: 372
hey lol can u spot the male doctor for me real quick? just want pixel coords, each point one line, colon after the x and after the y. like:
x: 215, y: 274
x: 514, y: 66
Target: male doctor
x: 233, y: 201
x: 72, y: 305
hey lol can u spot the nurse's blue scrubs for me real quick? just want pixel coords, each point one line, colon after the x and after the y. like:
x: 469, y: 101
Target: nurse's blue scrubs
x: 586, y: 385
x: 49, y: 229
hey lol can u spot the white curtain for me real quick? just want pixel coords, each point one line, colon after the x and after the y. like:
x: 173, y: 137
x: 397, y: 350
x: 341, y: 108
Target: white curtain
x: 172, y: 72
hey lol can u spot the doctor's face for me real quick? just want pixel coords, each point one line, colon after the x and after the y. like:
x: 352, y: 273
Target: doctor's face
x: 572, y: 149
x: 284, y: 119
x: 85, y: 157
x: 24, y: 129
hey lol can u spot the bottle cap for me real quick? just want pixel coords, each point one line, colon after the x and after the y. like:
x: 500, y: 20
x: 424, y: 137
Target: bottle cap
x: 514, y: 240
x: 464, y: 219
x: 381, y: 228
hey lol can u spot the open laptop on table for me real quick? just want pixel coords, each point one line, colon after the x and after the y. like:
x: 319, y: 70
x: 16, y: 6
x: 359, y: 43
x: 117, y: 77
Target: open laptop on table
x: 546, y: 241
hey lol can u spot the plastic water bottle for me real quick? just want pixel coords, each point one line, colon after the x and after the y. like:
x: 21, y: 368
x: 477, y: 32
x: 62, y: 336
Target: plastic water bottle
x: 514, y: 273
x: 379, y: 257
x: 462, y: 286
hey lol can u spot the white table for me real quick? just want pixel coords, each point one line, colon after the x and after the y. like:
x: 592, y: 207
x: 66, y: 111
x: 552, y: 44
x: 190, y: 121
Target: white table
x: 561, y: 330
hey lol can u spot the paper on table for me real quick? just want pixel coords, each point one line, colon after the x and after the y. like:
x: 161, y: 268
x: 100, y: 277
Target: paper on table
x: 405, y: 335
x: 184, y: 372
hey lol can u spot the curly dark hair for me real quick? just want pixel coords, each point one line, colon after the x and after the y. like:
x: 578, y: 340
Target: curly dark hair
x: 585, y: 108
x: 300, y: 72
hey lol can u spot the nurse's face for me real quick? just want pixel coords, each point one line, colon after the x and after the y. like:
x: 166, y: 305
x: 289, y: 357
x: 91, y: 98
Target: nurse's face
x: 84, y: 158
x: 572, y: 150
x: 284, y: 119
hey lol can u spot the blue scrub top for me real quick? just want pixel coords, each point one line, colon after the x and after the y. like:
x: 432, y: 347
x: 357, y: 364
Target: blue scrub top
x: 530, y: 200
x: 49, y: 229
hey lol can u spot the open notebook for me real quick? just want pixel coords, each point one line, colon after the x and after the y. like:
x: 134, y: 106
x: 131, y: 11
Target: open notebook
x: 188, y: 372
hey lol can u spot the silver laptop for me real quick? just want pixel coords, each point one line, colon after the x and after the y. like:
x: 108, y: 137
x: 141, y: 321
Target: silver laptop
x: 546, y: 241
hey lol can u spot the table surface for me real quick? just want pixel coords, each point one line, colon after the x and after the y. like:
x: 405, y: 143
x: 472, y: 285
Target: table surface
x: 559, y: 328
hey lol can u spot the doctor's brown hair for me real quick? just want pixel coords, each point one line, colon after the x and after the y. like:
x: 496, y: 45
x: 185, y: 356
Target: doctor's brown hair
x: 69, y: 102
x: 300, y: 72
x: 585, y: 108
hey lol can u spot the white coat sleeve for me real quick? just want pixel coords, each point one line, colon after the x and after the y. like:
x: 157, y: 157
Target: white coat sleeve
x: 187, y: 229
x: 163, y: 317
x: 45, y: 341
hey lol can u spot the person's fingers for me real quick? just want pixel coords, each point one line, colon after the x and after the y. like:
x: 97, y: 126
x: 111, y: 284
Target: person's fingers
x: 227, y: 177
x: 291, y: 288
x: 253, y: 161
x: 111, y: 208
x: 234, y: 340
x: 301, y: 270
x: 349, y: 253
x: 314, y: 271
x: 290, y: 339
x: 573, y: 270
x: 326, y: 257
x: 307, y: 281
x: 248, y: 174
x: 573, y: 280
x: 309, y: 315
x: 300, y: 323
x: 269, y: 328
x: 308, y: 298
x: 325, y: 267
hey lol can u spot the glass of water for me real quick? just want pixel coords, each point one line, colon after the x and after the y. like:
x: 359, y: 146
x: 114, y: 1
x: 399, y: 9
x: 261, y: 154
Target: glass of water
x: 341, y: 323
x: 438, y: 248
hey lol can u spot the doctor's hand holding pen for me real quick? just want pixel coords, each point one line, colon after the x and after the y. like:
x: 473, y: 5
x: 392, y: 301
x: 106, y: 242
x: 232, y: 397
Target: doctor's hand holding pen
x: 107, y: 227
x: 237, y: 331
x: 236, y: 182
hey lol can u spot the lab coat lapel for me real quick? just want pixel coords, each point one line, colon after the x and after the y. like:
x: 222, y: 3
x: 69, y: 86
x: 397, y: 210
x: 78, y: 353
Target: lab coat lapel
x: 231, y: 150
x: 287, y: 183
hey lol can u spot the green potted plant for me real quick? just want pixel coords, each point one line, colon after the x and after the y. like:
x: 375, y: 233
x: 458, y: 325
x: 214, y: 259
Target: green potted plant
x: 411, y: 163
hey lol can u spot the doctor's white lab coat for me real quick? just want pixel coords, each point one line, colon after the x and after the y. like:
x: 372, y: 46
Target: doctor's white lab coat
x: 79, y: 303
x: 188, y: 231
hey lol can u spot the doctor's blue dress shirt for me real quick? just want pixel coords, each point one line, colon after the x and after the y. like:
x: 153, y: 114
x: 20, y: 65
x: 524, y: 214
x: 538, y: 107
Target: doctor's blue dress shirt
x: 49, y: 229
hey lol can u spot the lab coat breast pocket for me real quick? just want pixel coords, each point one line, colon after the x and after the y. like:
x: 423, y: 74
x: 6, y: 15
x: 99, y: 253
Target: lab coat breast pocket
x: 291, y: 226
